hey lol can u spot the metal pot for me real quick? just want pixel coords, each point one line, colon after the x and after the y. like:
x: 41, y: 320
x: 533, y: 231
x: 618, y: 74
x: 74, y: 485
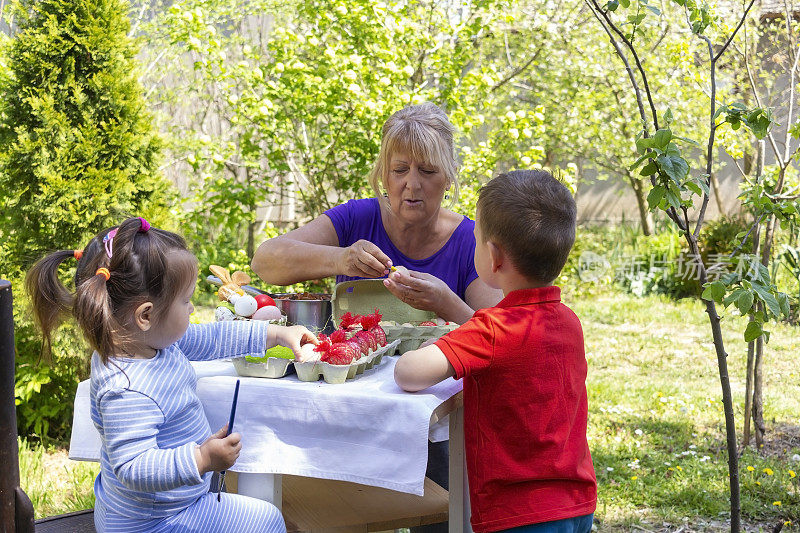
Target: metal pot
x: 313, y: 314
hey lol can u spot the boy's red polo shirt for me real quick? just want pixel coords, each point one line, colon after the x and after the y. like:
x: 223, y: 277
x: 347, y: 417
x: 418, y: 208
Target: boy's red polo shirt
x: 525, y: 411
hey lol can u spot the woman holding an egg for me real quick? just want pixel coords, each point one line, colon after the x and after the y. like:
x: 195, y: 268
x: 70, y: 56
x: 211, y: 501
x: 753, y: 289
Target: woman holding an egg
x: 404, y: 225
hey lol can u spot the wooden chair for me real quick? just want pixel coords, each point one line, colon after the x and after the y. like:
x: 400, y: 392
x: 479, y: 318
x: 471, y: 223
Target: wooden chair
x: 16, y: 510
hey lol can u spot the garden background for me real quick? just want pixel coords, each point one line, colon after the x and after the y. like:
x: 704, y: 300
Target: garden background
x: 233, y: 121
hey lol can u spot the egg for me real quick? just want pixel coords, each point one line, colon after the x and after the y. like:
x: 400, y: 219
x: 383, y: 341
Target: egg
x: 268, y: 312
x: 245, y: 305
x: 222, y: 313
x: 307, y: 353
x: 401, y: 269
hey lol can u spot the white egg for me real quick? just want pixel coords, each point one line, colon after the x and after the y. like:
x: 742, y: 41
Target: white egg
x: 245, y: 305
x: 307, y: 353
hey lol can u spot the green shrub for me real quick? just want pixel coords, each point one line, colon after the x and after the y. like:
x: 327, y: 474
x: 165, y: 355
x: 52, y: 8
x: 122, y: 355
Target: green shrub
x: 77, y: 153
x: 655, y: 264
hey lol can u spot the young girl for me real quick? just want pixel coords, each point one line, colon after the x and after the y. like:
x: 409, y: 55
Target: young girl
x: 134, y: 286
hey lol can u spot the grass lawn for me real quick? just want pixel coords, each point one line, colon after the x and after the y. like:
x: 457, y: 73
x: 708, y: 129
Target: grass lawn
x: 656, y: 427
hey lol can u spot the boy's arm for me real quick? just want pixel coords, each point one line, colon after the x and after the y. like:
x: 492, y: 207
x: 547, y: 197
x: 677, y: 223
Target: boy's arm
x: 419, y: 369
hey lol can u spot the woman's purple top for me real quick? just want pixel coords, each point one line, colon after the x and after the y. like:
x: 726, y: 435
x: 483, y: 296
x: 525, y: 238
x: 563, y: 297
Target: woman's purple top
x: 454, y: 263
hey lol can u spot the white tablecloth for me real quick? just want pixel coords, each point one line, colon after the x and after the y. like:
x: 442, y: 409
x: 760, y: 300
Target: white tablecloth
x: 366, y: 430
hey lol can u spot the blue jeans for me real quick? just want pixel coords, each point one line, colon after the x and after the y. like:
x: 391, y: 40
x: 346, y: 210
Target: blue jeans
x: 579, y: 524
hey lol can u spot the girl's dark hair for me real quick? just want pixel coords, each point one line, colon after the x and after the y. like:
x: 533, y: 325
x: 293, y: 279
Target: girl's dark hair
x: 532, y: 216
x: 145, y: 265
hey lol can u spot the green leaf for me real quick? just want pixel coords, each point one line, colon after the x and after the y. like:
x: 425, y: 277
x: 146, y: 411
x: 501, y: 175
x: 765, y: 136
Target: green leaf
x: 668, y: 112
x: 654, y: 196
x: 643, y: 143
x: 753, y: 331
x: 638, y: 161
x: 649, y: 169
x: 765, y: 296
x: 745, y: 302
x: 730, y: 298
x: 701, y: 181
x: 674, y: 196
x: 694, y: 187
x: 653, y: 10
x: 714, y: 291
x: 783, y: 300
x: 662, y: 137
x: 673, y: 166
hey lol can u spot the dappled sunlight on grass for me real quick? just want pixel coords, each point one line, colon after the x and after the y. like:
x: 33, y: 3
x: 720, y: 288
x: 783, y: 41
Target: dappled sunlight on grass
x: 656, y: 425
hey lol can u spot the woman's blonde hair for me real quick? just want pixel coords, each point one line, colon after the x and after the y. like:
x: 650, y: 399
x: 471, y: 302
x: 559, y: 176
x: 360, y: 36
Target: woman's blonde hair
x: 424, y: 132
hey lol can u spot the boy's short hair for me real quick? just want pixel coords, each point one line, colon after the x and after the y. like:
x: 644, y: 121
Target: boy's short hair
x: 532, y: 216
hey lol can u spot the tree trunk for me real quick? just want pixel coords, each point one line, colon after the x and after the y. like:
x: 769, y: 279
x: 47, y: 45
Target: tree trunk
x: 716, y: 192
x: 758, y: 395
x: 251, y: 226
x: 748, y: 395
x: 727, y: 397
x: 758, y: 400
x: 645, y: 215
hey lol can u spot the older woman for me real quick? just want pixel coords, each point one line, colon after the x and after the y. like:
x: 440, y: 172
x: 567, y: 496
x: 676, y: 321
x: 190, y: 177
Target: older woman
x: 404, y: 225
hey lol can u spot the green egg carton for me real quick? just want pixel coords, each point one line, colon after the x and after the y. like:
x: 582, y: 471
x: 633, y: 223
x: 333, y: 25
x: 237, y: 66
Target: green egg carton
x: 337, y: 374
x: 363, y: 296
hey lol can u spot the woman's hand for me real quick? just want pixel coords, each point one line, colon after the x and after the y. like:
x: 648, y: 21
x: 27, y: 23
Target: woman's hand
x: 427, y: 292
x: 293, y: 337
x: 365, y: 260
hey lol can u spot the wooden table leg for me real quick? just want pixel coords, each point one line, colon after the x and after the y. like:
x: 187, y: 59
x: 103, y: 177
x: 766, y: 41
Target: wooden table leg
x: 267, y: 487
x: 459, y: 489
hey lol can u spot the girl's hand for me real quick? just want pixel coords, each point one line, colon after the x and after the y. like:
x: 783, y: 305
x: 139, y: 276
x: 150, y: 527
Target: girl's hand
x: 218, y: 452
x: 293, y: 337
x: 365, y: 260
x: 421, y: 290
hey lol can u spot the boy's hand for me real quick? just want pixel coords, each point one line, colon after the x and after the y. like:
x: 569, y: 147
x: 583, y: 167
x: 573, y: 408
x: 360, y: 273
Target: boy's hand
x: 293, y: 337
x: 218, y: 452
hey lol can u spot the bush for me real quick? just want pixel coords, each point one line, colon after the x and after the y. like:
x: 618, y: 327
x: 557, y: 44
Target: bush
x: 655, y: 264
x: 77, y: 152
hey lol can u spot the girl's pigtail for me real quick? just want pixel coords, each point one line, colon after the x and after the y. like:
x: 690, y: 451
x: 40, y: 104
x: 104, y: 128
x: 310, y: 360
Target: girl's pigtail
x: 50, y: 299
x: 93, y: 312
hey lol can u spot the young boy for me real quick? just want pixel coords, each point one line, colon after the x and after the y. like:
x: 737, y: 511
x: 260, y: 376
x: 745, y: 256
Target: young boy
x: 523, y: 365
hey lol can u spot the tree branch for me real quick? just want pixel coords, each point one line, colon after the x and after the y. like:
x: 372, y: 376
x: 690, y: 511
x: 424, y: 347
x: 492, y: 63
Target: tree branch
x: 636, y: 60
x: 733, y: 34
x: 517, y: 71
